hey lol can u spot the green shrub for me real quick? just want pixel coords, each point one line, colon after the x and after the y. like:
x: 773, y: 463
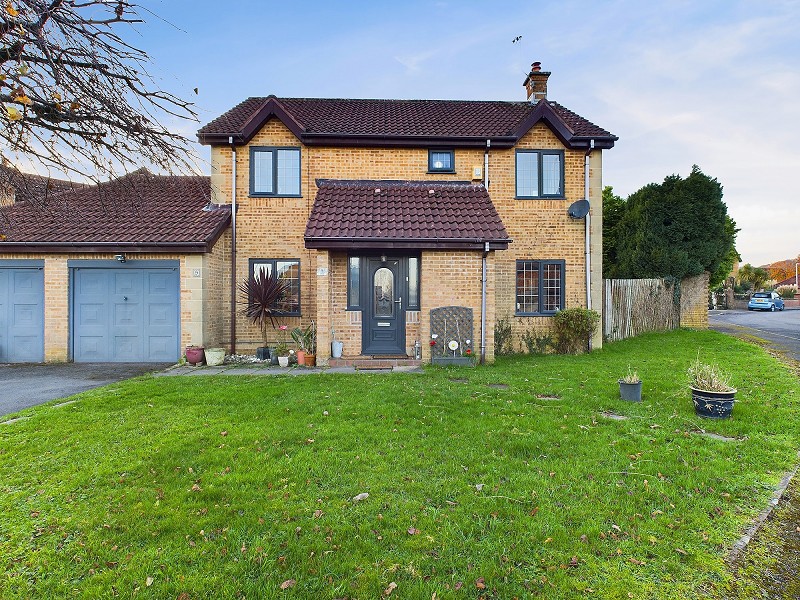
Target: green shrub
x: 787, y: 292
x: 573, y: 328
x: 536, y: 341
x: 503, y: 337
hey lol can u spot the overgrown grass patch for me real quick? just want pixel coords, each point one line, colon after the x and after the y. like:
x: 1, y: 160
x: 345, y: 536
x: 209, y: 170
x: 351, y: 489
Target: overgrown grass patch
x: 231, y: 486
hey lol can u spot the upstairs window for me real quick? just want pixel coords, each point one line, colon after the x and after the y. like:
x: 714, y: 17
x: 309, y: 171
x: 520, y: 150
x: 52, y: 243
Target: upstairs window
x: 540, y: 287
x: 441, y: 161
x: 274, y: 171
x: 540, y: 174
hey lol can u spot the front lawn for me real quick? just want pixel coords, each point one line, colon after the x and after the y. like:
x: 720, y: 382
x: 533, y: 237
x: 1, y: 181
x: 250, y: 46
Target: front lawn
x: 509, y: 480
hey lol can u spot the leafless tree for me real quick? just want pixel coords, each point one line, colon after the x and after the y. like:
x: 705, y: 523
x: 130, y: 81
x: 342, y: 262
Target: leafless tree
x: 79, y: 98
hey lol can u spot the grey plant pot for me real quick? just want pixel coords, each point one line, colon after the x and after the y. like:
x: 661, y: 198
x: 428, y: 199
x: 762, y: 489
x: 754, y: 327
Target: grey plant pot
x: 632, y: 392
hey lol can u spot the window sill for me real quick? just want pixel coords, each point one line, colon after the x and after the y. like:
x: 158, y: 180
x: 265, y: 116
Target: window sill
x: 275, y: 196
x: 540, y: 197
x: 537, y: 314
x: 453, y: 172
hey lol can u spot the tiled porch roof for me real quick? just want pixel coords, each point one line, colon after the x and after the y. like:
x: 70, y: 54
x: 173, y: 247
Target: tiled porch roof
x: 352, y: 214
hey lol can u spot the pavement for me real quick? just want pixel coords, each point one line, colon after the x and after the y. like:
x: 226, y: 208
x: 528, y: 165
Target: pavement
x: 26, y: 385
x: 262, y: 369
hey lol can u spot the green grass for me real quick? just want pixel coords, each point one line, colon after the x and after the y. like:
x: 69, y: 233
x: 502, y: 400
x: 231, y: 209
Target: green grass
x: 226, y: 487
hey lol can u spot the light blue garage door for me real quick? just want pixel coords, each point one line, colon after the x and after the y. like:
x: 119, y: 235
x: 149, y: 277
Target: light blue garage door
x: 21, y: 311
x: 125, y: 314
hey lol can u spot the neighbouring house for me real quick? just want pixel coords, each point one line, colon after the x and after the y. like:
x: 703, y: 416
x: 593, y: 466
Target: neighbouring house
x: 125, y: 271
x: 790, y: 282
x: 405, y: 221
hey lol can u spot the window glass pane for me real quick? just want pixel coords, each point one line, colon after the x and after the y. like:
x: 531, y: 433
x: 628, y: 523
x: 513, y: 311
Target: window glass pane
x: 551, y: 287
x: 528, y: 286
x: 527, y: 174
x: 441, y: 161
x: 383, y: 285
x: 354, y: 280
x: 289, y: 172
x: 289, y: 270
x: 262, y: 172
x: 413, y: 282
x: 261, y: 267
x: 551, y: 174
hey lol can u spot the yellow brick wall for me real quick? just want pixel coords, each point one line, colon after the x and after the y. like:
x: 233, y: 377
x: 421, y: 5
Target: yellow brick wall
x: 541, y: 229
x: 196, y: 303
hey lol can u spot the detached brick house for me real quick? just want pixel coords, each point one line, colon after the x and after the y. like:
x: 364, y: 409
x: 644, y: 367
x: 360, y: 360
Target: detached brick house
x: 395, y: 222
x: 382, y: 212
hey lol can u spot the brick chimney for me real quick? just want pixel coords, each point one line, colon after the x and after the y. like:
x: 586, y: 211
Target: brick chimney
x: 536, y: 83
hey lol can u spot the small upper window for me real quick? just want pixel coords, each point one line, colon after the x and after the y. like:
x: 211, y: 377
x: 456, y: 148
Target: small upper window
x: 441, y: 161
x: 274, y: 171
x: 540, y: 174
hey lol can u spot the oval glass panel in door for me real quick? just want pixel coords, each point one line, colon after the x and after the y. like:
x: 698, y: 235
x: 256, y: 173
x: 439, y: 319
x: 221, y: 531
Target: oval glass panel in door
x: 383, y: 284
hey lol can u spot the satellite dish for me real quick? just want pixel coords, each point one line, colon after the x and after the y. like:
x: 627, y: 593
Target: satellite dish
x: 579, y: 209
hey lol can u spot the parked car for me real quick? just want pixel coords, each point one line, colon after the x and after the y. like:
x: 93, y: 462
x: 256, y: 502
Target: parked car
x: 765, y: 301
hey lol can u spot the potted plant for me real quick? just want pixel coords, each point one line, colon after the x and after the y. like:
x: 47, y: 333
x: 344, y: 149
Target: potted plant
x: 195, y: 355
x: 712, y: 393
x: 630, y: 387
x: 262, y: 294
x: 282, y: 350
x: 306, y: 340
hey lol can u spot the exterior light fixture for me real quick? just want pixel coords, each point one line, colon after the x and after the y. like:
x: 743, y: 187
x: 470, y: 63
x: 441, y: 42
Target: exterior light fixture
x: 119, y: 257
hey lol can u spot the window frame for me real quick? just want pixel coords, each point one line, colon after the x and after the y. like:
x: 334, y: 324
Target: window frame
x: 451, y: 152
x: 350, y: 305
x: 274, y: 150
x: 562, y: 264
x: 274, y: 262
x: 539, y: 172
x: 405, y: 280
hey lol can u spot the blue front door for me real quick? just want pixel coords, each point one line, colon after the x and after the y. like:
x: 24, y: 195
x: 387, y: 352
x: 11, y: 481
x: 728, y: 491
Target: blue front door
x: 125, y: 314
x: 21, y: 314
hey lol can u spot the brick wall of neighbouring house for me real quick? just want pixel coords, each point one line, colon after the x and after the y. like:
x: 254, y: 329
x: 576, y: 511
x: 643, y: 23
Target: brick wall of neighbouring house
x: 193, y: 310
x: 694, y: 302
x: 541, y: 229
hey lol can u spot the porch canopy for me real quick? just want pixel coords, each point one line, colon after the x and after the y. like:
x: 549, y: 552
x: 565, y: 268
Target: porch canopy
x: 378, y: 214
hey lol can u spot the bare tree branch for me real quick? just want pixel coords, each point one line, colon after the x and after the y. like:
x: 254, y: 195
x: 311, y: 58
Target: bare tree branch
x: 72, y: 90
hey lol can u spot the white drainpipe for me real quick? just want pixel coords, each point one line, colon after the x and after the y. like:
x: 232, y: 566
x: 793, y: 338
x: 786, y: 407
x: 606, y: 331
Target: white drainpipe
x: 483, y: 261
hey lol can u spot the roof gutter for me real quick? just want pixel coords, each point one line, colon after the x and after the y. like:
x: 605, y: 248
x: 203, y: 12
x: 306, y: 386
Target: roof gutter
x: 142, y: 247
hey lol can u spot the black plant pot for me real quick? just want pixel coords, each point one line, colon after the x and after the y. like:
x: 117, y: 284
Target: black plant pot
x: 262, y: 353
x: 273, y: 356
x: 713, y: 405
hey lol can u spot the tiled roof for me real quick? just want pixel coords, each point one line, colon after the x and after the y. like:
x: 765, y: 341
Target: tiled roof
x: 29, y: 187
x: 403, y: 214
x: 422, y: 120
x: 139, y: 210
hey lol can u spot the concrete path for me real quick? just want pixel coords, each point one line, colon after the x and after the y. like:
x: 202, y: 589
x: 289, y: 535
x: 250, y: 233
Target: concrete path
x: 261, y: 369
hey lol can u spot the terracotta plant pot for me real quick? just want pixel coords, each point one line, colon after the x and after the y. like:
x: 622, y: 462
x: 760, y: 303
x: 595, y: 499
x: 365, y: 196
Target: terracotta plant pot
x: 195, y: 355
x: 301, y: 357
x: 311, y: 360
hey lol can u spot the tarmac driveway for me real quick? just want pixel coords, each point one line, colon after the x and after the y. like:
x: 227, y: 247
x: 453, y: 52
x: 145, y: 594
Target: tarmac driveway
x: 22, y: 386
x: 780, y: 329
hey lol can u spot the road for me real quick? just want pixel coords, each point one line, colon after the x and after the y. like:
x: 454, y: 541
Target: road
x: 780, y: 329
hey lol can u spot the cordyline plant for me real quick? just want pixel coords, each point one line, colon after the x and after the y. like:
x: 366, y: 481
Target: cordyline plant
x: 263, y: 294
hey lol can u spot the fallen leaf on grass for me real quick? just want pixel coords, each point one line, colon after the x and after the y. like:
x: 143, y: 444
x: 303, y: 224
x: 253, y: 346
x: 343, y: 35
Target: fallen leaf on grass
x: 388, y: 591
x: 360, y: 497
x: 681, y: 551
x: 148, y: 582
x: 479, y: 486
x: 458, y: 585
x: 318, y: 513
x: 288, y: 584
x: 636, y: 562
x: 196, y: 488
x: 413, y: 531
x: 223, y: 433
x: 480, y: 583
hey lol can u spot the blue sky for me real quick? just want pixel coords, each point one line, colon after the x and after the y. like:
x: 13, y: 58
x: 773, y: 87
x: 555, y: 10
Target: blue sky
x: 711, y: 82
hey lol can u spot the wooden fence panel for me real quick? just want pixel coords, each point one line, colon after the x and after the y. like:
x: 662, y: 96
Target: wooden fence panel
x: 635, y: 306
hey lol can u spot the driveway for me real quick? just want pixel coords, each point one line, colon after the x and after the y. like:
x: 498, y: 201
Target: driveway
x: 780, y: 329
x: 22, y: 386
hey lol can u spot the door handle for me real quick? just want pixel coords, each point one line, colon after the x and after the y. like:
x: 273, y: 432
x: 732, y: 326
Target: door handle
x: 399, y: 301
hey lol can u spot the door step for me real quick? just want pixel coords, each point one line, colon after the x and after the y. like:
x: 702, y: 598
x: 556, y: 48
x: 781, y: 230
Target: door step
x: 366, y: 363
